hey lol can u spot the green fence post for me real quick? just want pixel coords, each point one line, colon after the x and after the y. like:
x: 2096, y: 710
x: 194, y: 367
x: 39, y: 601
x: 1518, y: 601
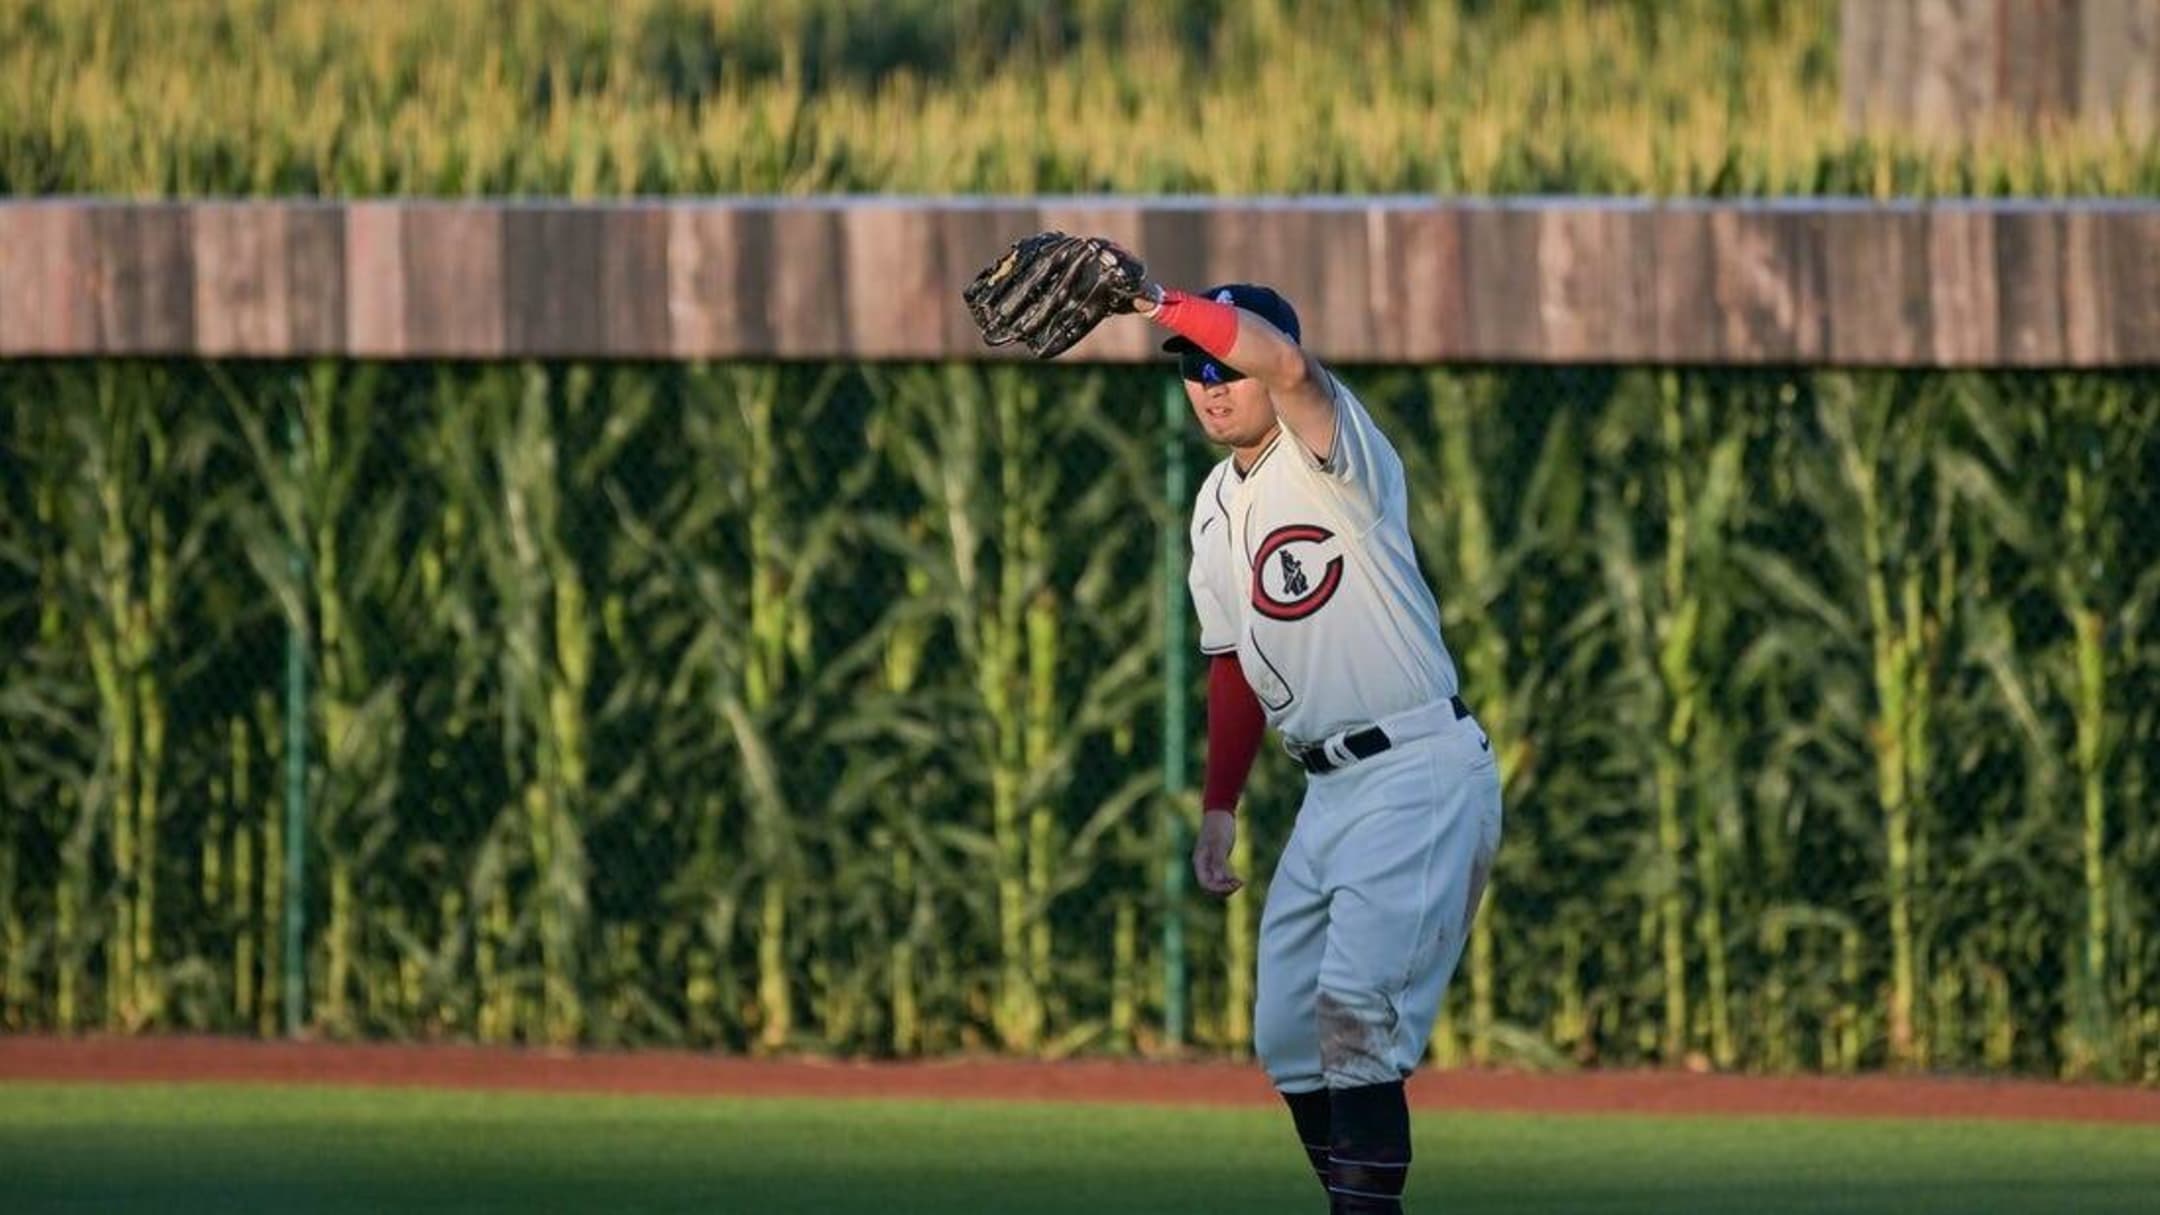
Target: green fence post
x: 295, y: 772
x: 1176, y: 675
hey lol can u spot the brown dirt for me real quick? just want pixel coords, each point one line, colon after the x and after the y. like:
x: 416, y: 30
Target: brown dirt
x: 202, y: 1059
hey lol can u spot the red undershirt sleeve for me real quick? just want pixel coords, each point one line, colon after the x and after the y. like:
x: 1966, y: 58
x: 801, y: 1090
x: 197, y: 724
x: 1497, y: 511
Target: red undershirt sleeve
x: 1205, y: 323
x: 1235, y: 724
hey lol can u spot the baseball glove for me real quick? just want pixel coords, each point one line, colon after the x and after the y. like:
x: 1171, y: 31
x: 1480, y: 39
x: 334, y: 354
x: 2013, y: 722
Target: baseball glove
x: 1050, y: 290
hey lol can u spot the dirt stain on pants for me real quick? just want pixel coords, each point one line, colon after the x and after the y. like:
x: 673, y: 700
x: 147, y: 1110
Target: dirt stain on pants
x: 1352, y: 1045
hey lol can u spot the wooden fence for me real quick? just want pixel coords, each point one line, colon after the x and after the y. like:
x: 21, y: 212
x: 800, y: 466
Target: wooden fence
x: 1415, y: 280
x: 1953, y: 68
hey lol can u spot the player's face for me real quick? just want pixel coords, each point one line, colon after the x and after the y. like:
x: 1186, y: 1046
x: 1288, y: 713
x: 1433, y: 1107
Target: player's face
x: 1238, y: 414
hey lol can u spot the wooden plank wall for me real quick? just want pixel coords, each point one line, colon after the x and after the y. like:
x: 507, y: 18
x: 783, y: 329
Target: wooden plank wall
x: 1380, y: 280
x: 1950, y: 68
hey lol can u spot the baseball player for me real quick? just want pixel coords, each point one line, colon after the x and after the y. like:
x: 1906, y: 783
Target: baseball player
x: 1320, y: 627
x: 1310, y: 601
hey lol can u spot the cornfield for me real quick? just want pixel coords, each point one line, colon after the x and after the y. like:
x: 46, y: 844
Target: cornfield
x: 774, y: 708
x: 646, y: 97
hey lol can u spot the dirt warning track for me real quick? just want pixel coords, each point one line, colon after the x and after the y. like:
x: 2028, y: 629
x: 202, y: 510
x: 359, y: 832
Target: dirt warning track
x: 684, y: 1073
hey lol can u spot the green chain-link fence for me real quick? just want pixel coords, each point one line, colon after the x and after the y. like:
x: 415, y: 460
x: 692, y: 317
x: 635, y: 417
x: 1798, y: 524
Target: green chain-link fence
x: 757, y: 707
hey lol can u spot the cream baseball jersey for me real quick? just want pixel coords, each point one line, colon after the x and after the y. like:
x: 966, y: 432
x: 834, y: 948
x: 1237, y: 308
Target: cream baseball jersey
x: 1303, y: 565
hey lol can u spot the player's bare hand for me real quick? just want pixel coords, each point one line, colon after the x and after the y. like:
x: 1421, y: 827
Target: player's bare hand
x: 1211, y: 853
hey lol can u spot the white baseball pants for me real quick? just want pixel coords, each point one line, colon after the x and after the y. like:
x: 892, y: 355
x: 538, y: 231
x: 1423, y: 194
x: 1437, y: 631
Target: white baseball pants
x: 1371, y: 904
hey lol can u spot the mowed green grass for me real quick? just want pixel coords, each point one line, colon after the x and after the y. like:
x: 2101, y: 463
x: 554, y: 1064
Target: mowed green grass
x: 179, y: 1150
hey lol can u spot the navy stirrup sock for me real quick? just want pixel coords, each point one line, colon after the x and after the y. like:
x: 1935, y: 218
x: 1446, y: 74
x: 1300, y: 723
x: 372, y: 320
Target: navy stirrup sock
x: 1312, y: 1114
x: 1370, y: 1155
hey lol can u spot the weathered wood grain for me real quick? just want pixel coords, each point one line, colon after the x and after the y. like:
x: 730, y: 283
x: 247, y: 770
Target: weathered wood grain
x: 1684, y: 320
x: 635, y: 321
x: 894, y: 265
x: 451, y: 259
x: 315, y: 290
x: 50, y: 279
x: 2028, y: 291
x: 242, y: 271
x: 1766, y: 285
x: 1422, y: 297
x: 1409, y: 280
x: 375, y: 280
x: 1963, y: 312
x: 1877, y: 268
x: 1956, y: 68
x: 1502, y: 281
x: 551, y: 278
x: 145, y: 259
x: 2134, y: 242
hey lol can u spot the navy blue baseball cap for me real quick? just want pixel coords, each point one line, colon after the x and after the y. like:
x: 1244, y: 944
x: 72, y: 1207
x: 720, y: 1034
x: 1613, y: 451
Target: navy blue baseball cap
x: 1263, y: 302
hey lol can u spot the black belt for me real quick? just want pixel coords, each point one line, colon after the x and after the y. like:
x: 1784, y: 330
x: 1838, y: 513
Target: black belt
x: 1363, y: 744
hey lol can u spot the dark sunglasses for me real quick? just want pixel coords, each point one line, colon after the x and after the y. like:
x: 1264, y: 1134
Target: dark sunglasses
x: 1203, y: 368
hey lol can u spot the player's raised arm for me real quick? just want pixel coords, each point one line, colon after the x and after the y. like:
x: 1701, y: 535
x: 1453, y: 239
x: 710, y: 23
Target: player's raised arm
x: 1298, y: 383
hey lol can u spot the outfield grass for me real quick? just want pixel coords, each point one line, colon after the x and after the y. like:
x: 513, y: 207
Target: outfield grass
x: 178, y: 1150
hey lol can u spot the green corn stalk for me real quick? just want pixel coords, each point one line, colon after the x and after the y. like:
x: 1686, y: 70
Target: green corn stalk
x: 497, y: 1018
x: 1003, y: 644
x: 1945, y: 1013
x: 1571, y: 1028
x: 764, y: 674
x: 241, y: 911
x: 1851, y: 1019
x: 1901, y: 629
x: 1808, y: 987
x: 125, y: 458
x: 114, y: 639
x: 906, y: 1012
x: 271, y: 913
x: 903, y: 664
x: 1695, y: 518
x: 2090, y: 539
x: 211, y: 861
x: 1710, y: 928
x: 67, y: 936
x: 1648, y: 1037
x: 148, y: 998
x: 2089, y: 631
x: 549, y: 640
x: 1124, y: 975
x: 1042, y: 722
x: 1673, y: 634
x: 1776, y: 1017
x: 2001, y: 1040
x: 338, y: 970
